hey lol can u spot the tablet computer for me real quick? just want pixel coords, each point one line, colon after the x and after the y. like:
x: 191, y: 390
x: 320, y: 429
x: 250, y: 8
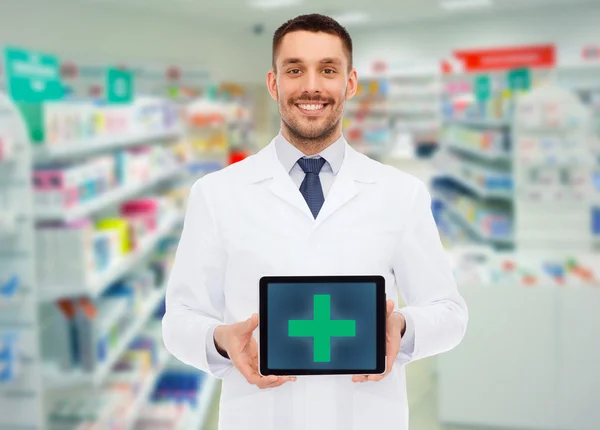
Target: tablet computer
x: 322, y: 325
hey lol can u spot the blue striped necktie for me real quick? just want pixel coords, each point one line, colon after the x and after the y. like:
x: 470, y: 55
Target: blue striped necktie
x: 311, y: 185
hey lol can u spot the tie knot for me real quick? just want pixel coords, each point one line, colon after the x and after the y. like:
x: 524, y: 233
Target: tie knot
x: 311, y: 165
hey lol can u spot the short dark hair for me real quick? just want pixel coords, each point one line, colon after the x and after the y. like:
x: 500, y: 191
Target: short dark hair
x: 315, y: 23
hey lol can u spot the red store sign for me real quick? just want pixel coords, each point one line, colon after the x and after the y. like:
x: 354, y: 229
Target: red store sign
x: 535, y: 56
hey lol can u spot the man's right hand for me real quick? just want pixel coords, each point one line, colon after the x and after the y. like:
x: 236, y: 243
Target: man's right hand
x: 240, y: 345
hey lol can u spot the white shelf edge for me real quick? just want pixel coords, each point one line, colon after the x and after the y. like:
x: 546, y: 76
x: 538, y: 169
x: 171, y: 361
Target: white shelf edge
x: 112, y: 274
x: 106, y: 200
x: 482, y: 193
x: 58, y: 379
x: 475, y: 122
x: 101, y: 144
x: 477, y: 153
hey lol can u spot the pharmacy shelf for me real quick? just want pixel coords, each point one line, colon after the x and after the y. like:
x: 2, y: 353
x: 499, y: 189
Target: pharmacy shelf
x: 116, y: 271
x: 478, y: 153
x: 55, y: 379
x: 480, y: 191
x: 479, y: 123
x: 458, y: 217
x: 106, y: 200
x: 146, y: 390
x: 89, y: 147
x: 205, y: 400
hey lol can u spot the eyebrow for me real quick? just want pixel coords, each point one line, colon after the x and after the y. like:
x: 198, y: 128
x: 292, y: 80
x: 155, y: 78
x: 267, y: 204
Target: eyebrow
x: 300, y: 61
x: 331, y: 61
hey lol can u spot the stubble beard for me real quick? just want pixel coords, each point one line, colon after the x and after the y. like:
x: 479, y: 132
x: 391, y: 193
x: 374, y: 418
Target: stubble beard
x: 314, y: 137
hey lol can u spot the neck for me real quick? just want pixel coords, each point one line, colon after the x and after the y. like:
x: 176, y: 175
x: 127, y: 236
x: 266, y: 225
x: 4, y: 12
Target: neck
x: 310, y: 146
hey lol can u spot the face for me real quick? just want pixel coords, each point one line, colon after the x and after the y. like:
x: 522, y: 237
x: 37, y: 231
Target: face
x: 311, y: 84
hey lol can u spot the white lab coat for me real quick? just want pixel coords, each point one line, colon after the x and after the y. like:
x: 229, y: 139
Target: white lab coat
x: 250, y: 220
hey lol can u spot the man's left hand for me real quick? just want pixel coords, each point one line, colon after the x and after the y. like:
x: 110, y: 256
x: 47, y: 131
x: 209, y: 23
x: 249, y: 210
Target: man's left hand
x: 394, y: 326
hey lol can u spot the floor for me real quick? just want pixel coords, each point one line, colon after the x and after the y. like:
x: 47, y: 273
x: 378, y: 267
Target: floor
x: 422, y: 399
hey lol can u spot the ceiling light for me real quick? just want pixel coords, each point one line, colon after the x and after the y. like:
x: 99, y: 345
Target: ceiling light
x: 465, y: 4
x: 351, y: 18
x: 274, y: 4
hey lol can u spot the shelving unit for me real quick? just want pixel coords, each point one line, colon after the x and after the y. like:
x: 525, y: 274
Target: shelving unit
x: 395, y: 115
x: 553, y: 167
x: 20, y: 378
x: 23, y: 401
x: 476, y: 154
x: 548, y: 289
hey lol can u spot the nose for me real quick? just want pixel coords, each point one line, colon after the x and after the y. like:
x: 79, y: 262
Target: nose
x: 311, y: 83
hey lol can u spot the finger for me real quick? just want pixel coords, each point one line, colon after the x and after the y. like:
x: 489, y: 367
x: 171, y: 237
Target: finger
x: 375, y: 378
x: 281, y: 380
x: 359, y: 378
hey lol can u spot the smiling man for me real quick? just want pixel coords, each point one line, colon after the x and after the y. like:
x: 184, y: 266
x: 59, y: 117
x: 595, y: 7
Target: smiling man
x: 309, y: 204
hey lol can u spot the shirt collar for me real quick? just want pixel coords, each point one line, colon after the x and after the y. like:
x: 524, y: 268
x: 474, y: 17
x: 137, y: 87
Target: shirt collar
x: 288, y: 154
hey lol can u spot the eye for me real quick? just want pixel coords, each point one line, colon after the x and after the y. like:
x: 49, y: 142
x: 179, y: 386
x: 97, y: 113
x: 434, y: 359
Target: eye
x: 328, y: 71
x: 294, y: 71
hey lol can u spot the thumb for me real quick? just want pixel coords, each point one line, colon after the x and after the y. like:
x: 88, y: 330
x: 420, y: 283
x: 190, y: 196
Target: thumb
x: 389, y: 307
x: 250, y: 324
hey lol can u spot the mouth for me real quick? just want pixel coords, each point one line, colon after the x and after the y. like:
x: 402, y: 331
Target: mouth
x: 312, y: 108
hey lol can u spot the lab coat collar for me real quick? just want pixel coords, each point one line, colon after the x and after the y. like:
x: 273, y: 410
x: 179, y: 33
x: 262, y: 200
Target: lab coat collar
x: 356, y: 169
x: 266, y: 165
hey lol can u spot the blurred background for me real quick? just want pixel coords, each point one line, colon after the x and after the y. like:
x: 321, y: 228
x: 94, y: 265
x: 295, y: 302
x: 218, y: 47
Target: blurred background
x: 110, y: 110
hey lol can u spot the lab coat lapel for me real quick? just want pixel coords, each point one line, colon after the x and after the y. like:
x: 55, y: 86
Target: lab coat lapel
x: 282, y: 185
x: 356, y: 169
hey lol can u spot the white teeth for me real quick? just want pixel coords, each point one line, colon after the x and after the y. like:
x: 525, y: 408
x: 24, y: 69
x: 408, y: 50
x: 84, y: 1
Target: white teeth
x: 311, y: 107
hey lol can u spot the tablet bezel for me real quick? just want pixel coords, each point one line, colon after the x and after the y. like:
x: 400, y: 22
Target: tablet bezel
x: 380, y: 316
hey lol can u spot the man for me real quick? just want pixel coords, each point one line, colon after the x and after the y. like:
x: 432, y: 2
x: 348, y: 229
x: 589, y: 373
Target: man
x: 308, y: 204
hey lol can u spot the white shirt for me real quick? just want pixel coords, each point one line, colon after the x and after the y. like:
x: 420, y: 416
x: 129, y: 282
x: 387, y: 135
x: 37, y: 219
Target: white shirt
x: 289, y: 155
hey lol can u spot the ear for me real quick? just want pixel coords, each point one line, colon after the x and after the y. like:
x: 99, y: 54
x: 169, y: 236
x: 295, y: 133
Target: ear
x: 272, y: 83
x: 352, y: 84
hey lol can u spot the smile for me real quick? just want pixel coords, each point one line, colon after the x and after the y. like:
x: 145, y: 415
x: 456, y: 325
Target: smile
x: 311, y: 108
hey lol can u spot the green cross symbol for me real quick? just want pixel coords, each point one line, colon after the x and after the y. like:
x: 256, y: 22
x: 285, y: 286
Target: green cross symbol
x: 322, y: 328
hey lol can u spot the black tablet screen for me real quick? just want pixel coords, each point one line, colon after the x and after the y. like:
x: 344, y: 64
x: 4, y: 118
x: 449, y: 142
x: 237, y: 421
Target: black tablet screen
x: 322, y: 326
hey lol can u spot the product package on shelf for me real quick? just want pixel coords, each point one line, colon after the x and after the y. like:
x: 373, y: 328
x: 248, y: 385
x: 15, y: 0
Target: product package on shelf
x: 9, y: 356
x: 65, y: 186
x: 86, y: 334
x: 7, y: 147
x: 479, y: 266
x: 78, y: 253
x: 9, y: 288
x: 177, y: 402
x: 206, y: 130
